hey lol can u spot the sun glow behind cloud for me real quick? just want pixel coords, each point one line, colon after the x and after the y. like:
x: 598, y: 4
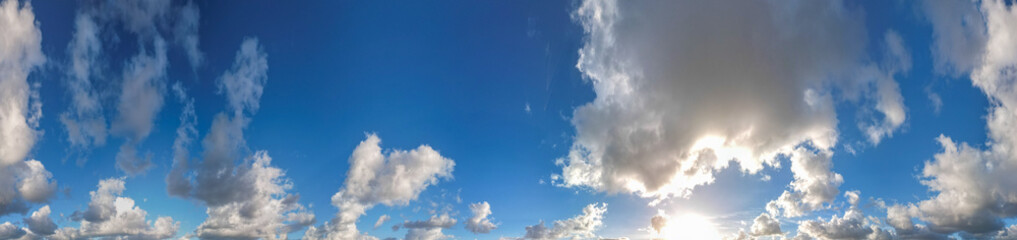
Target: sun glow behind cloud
x: 690, y: 226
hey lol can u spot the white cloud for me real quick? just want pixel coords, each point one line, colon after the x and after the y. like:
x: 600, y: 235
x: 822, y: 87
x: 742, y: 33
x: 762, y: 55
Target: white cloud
x: 579, y: 227
x: 973, y: 189
x: 142, y: 85
x: 85, y: 123
x: 764, y: 225
x: 430, y: 229
x: 479, y: 223
x: 659, y: 129
x: 269, y: 213
x: 814, y: 184
x: 852, y: 225
x: 110, y: 215
x: 375, y: 177
x: 40, y: 223
x: 246, y: 197
x: 9, y: 231
x: 381, y: 220
x: 20, y: 54
x: 24, y: 181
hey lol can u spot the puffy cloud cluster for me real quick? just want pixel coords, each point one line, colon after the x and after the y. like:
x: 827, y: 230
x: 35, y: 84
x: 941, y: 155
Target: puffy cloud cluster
x: 684, y: 88
x: 479, y: 223
x: 247, y: 198
x: 374, y: 177
x: 21, y: 181
x: 429, y: 229
x: 9, y: 231
x: 141, y: 94
x: 579, y: 227
x: 813, y: 185
x: 973, y: 189
x: 109, y: 215
x: 764, y: 225
x: 40, y: 223
x: 852, y: 225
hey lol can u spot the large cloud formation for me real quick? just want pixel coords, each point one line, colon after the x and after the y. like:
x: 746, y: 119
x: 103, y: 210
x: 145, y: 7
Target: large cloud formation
x: 21, y: 181
x: 142, y: 85
x: 684, y: 88
x: 973, y: 189
x: 247, y: 198
x: 109, y: 215
x: 374, y: 177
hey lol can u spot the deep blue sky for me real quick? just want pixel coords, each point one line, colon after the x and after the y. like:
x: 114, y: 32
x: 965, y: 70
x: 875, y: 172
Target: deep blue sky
x: 491, y: 85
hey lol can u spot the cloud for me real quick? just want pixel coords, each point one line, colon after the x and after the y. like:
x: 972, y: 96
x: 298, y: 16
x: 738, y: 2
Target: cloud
x: 813, y: 185
x: 659, y: 129
x: 84, y: 122
x: 20, y: 54
x: 429, y: 229
x: 375, y: 177
x: 9, y: 231
x: 176, y: 183
x: 186, y: 32
x: 40, y: 223
x: 972, y: 189
x: 479, y: 223
x: 24, y: 181
x: 142, y: 85
x: 109, y: 215
x: 579, y: 227
x: 381, y: 220
x: 764, y: 225
x: 247, y: 198
x: 658, y: 222
x: 852, y: 225
x: 265, y: 214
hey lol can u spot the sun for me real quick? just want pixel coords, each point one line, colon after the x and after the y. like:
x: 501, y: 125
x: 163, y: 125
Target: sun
x: 691, y: 227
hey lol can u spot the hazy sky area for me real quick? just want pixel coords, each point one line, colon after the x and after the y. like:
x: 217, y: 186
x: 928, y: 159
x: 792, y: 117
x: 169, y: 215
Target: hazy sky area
x: 532, y: 119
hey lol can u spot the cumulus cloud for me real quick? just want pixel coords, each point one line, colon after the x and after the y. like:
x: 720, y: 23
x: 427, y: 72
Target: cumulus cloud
x: 852, y: 225
x: 429, y: 229
x: 246, y: 196
x: 264, y: 214
x: 24, y: 181
x: 20, y: 54
x: 392, y: 178
x: 973, y: 189
x: 579, y: 227
x: 40, y: 223
x: 479, y: 223
x: 9, y: 231
x: 659, y: 129
x: 764, y: 225
x: 814, y: 184
x: 110, y: 215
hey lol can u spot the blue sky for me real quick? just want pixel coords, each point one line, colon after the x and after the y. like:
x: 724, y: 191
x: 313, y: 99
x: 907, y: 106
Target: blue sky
x: 542, y: 108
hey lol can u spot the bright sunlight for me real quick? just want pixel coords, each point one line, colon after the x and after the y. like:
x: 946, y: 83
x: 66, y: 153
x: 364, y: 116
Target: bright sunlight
x: 690, y: 226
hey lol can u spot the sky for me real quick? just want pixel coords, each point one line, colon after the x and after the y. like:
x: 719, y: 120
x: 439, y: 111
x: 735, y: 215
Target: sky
x: 577, y: 119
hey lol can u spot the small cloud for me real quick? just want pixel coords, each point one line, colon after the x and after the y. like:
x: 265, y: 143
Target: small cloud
x: 527, y: 108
